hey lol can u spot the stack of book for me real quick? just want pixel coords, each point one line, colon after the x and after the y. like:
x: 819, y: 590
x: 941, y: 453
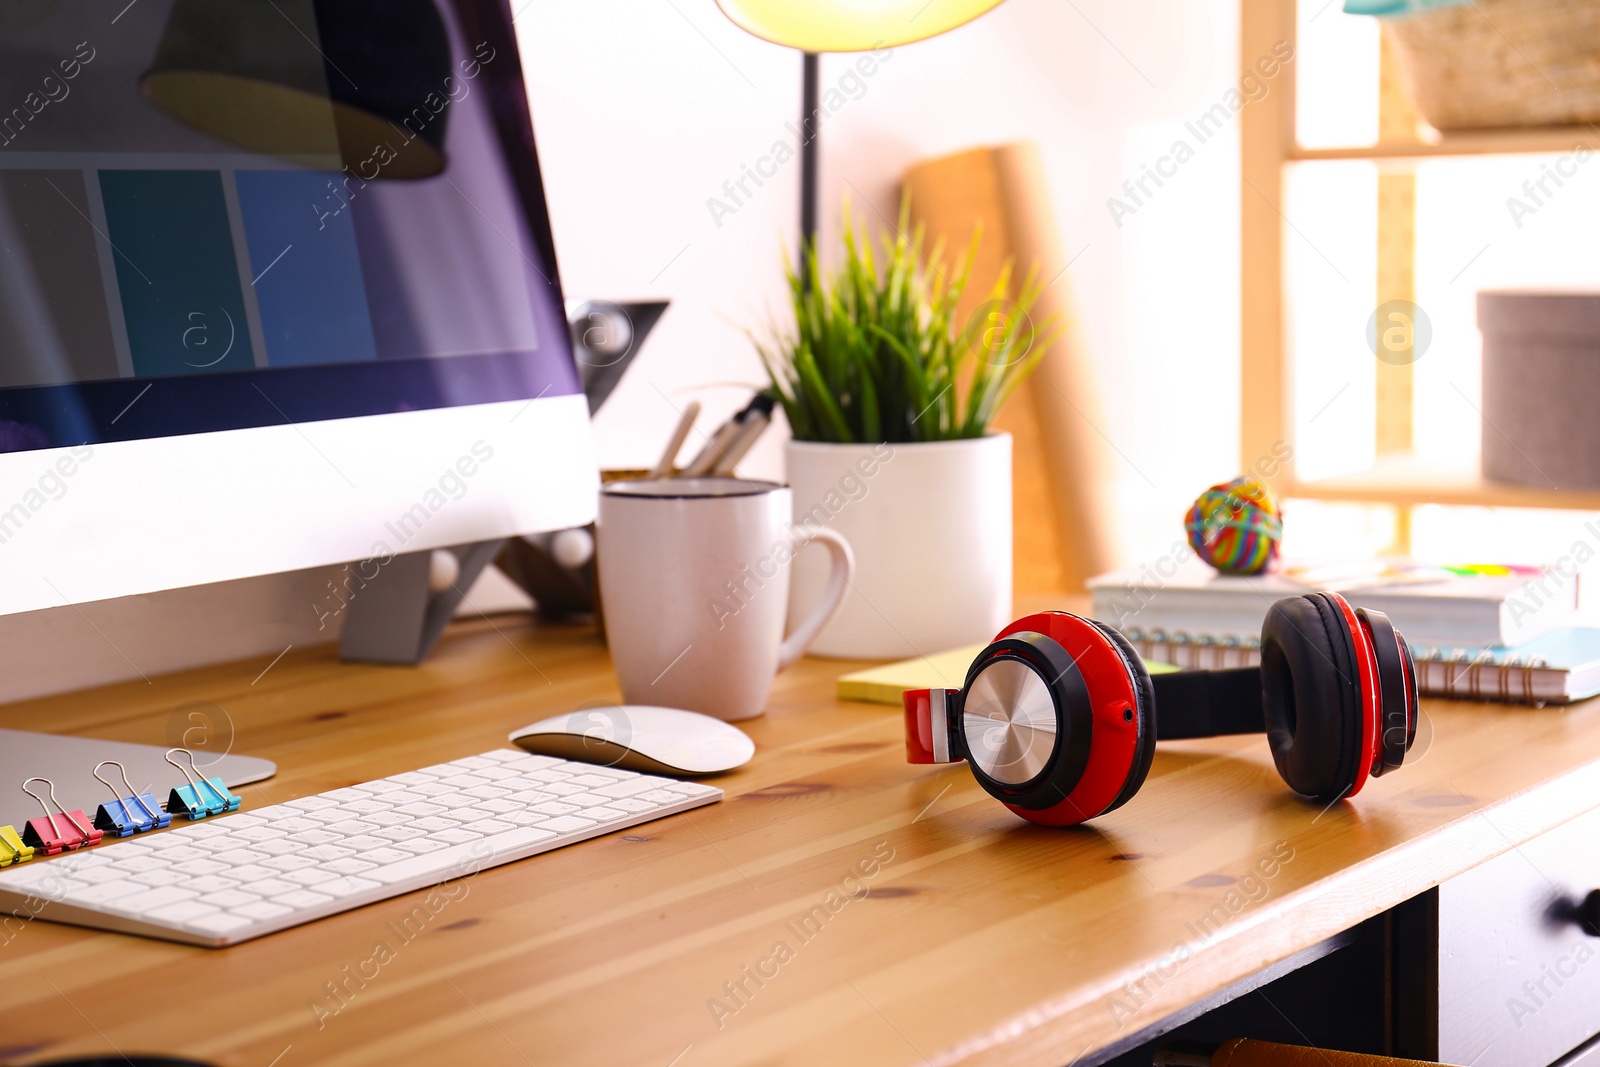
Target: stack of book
x: 1487, y: 632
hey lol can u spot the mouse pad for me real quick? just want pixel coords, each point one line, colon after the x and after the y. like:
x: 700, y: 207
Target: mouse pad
x: 69, y: 762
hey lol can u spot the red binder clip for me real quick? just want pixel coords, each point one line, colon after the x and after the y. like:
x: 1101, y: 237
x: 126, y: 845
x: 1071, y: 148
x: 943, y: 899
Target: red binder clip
x: 49, y: 836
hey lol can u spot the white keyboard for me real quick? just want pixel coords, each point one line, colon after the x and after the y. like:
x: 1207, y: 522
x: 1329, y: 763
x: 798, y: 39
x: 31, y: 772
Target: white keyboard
x: 225, y: 880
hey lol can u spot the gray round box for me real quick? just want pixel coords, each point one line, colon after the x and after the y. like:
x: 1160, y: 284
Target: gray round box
x: 1541, y: 387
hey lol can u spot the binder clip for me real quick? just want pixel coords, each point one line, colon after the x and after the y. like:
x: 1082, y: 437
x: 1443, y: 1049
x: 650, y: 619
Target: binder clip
x: 50, y: 836
x: 128, y: 813
x: 202, y: 796
x: 12, y: 850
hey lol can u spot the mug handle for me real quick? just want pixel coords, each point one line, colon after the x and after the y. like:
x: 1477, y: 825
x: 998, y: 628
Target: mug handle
x: 844, y: 568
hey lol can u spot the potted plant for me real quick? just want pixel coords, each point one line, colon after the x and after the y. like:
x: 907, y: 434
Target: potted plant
x: 890, y: 401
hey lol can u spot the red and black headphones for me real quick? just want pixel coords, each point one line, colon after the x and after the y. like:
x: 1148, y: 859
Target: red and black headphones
x: 1058, y: 715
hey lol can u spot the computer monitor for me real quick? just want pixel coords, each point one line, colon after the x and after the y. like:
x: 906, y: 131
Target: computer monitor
x: 277, y: 290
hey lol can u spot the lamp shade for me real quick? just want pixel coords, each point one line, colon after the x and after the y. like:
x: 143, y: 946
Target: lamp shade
x: 336, y: 80
x: 851, y: 25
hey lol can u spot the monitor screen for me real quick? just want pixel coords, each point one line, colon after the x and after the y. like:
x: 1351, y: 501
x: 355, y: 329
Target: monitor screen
x: 224, y: 214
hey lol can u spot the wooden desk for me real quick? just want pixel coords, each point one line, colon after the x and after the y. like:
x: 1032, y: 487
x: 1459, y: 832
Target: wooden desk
x: 982, y: 941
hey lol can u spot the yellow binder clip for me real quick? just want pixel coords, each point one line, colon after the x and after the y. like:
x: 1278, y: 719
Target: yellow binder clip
x: 12, y: 850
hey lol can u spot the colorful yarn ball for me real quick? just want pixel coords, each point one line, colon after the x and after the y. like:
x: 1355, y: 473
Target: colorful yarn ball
x: 1237, y: 526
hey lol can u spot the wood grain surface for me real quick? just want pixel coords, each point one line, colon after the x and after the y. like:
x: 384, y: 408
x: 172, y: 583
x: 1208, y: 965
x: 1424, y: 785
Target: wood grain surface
x: 873, y: 912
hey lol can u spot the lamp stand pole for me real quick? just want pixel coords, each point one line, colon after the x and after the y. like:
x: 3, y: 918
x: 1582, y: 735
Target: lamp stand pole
x: 809, y: 121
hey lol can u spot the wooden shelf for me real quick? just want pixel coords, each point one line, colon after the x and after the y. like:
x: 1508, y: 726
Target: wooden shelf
x: 1408, y: 480
x: 1475, y: 143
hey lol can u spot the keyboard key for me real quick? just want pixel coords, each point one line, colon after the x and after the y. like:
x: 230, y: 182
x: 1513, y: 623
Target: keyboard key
x: 139, y: 864
x: 220, y: 923
x: 496, y: 774
x: 316, y: 837
x: 281, y: 847
x: 524, y: 818
x: 205, y: 866
x: 150, y: 878
x: 367, y: 807
x: 347, y: 887
x: 498, y: 806
x: 343, y: 796
x: 176, y: 853
x: 310, y: 876
x: 385, y: 855
x: 349, y: 866
x: 419, y: 846
x: 316, y: 803
x: 529, y: 762
x: 627, y: 787
x: 457, y: 801
x: 502, y: 755
x: 659, y: 796
x: 409, y: 778
x: 554, y: 808
x: 288, y: 863
x: 271, y: 887
x: 472, y: 762
x: 152, y: 898
x: 229, y: 898
x: 379, y: 787
x: 389, y: 818
x: 457, y: 836
x: 489, y: 826
x: 238, y: 857
x: 210, y: 883
x: 432, y: 789
x: 365, y: 842
x: 321, y: 853
x: 567, y: 824
x: 693, y: 789
x: 250, y: 872
x: 432, y: 824
x: 296, y: 824
x: 487, y: 792
x: 567, y: 788
x: 587, y: 780
x: 258, y: 834
x: 420, y: 810
x: 261, y: 910
x: 604, y: 815
x: 587, y: 800
x: 628, y: 804
x: 244, y: 821
x: 531, y: 796
x: 181, y: 913
x: 399, y: 833
x: 464, y: 781
x: 549, y: 774
x: 350, y: 827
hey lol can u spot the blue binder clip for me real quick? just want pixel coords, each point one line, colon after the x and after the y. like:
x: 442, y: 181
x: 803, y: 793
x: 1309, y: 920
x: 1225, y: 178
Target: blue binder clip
x: 128, y: 813
x: 202, y: 796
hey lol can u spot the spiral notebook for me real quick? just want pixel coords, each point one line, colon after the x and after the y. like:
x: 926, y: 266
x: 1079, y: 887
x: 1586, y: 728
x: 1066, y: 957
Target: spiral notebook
x: 1558, y: 668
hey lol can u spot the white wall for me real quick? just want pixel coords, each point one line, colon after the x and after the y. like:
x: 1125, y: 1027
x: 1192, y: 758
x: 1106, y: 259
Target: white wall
x: 644, y: 108
x: 659, y: 103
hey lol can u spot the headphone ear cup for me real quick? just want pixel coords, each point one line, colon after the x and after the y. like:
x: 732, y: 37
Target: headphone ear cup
x: 1144, y: 716
x: 1310, y: 696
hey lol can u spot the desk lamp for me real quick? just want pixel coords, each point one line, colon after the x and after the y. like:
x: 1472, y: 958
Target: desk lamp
x: 816, y: 26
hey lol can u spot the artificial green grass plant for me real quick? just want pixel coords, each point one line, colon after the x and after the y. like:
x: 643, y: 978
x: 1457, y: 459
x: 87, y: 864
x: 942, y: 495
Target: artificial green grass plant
x: 877, y: 354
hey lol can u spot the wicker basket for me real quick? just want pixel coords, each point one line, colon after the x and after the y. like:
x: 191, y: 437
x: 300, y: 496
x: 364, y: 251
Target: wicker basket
x: 1502, y: 62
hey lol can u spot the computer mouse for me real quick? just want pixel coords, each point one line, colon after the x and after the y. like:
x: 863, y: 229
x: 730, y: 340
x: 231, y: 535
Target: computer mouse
x: 637, y: 737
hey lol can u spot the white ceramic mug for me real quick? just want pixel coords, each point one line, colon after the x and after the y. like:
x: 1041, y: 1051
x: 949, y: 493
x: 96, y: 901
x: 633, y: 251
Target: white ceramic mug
x: 694, y: 580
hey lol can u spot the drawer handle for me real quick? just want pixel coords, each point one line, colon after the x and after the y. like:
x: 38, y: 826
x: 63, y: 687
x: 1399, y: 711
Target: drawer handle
x: 1589, y: 914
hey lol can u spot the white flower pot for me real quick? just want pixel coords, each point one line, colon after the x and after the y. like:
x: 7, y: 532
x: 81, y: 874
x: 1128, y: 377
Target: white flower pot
x: 930, y: 525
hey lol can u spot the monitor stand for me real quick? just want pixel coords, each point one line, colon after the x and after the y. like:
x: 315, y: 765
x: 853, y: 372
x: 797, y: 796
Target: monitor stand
x: 397, y: 615
x: 69, y: 763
